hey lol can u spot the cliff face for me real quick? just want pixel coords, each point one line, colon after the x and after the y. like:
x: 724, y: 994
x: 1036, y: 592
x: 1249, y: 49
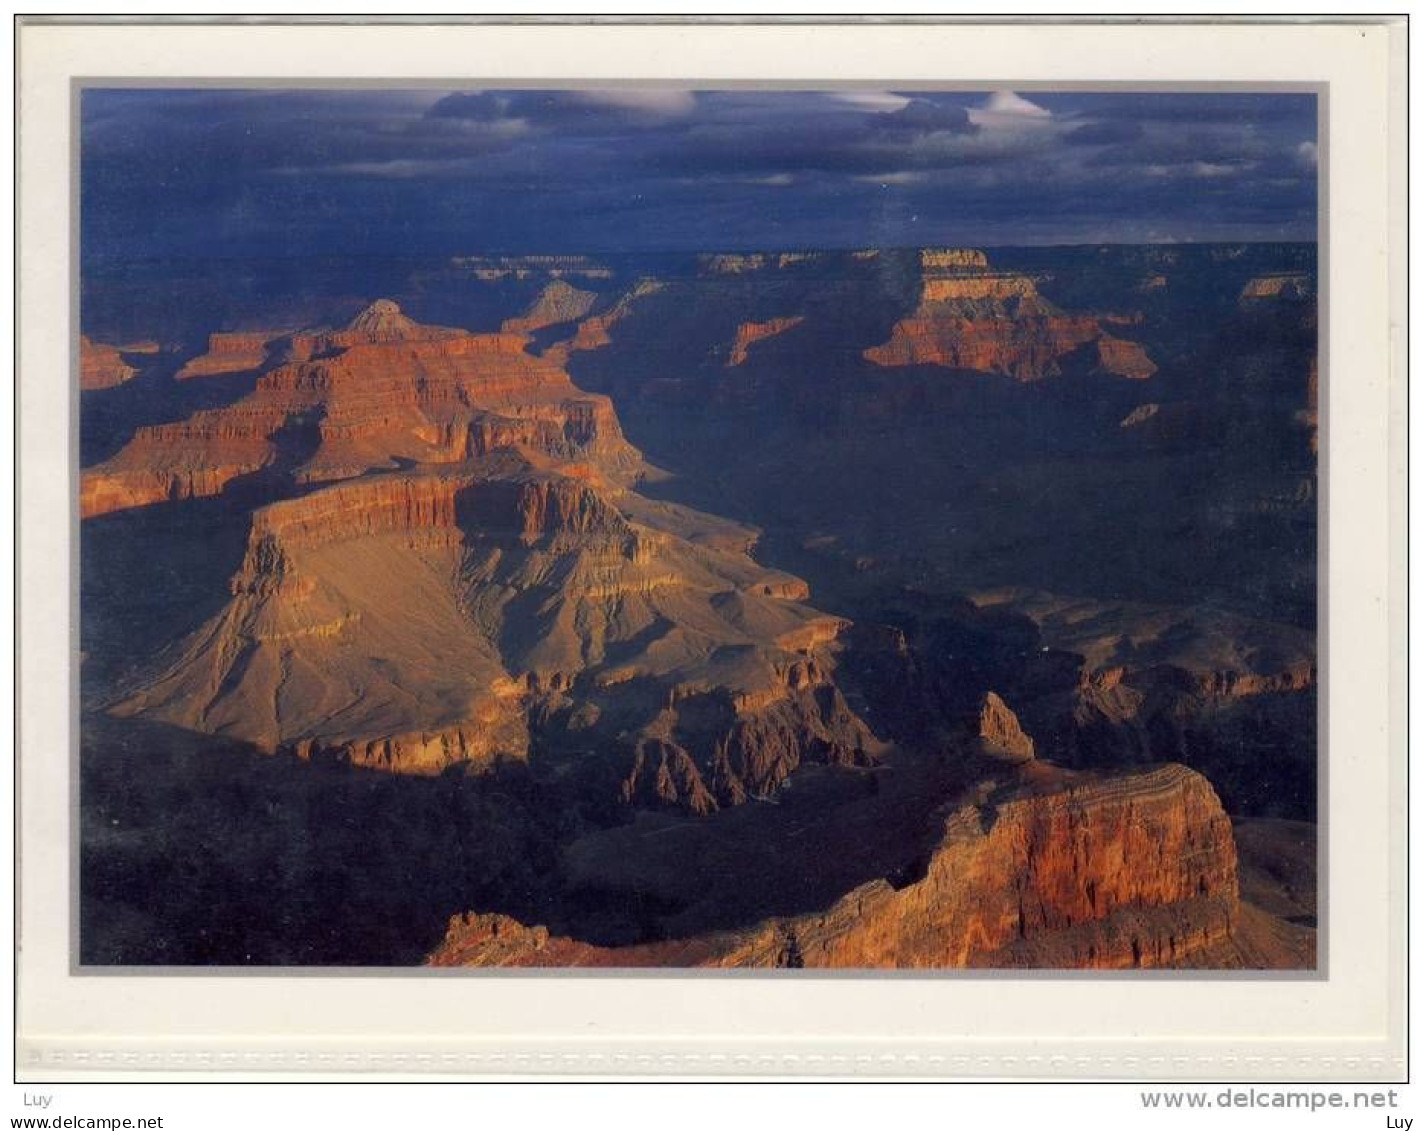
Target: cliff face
x: 1134, y: 871
x: 593, y: 332
x: 1000, y: 735
x: 1123, y: 359
x: 1058, y: 872
x: 934, y: 258
x: 559, y: 302
x: 1124, y: 683
x: 1026, y: 348
x: 508, y: 584
x: 972, y: 317
x: 102, y: 366
x: 796, y: 717
x: 383, y: 391
x: 1293, y: 285
x: 411, y: 622
x: 749, y: 333
x: 438, y: 567
x: 229, y: 353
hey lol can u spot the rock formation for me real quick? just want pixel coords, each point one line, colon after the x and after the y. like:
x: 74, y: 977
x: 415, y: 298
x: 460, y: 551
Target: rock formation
x: 731, y: 264
x: 1000, y: 736
x: 380, y: 392
x: 1057, y: 872
x: 1295, y: 285
x: 229, y: 353
x: 749, y: 333
x: 935, y: 258
x: 558, y: 302
x: 1119, y: 358
x: 102, y: 366
x: 973, y: 317
x: 1140, y: 415
x: 592, y: 332
x: 510, y: 580
x: 493, y: 268
x: 432, y: 579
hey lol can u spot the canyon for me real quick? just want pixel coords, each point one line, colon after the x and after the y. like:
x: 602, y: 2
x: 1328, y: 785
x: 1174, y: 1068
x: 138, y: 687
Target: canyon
x: 880, y: 608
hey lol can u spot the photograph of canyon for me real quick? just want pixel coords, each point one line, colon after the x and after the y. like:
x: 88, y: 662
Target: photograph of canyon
x: 697, y: 528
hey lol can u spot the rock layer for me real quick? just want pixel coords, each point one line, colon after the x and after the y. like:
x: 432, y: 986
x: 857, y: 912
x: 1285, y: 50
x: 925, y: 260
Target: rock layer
x: 1000, y: 735
x: 1061, y: 872
x: 749, y: 333
x: 382, y: 391
x: 508, y: 582
x: 593, y: 332
x: 558, y: 302
x: 102, y: 366
x: 229, y: 353
x: 972, y: 317
x: 1282, y: 285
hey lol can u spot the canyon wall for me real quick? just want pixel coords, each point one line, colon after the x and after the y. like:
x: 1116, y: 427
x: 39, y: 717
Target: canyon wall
x: 1133, y: 871
x: 973, y: 317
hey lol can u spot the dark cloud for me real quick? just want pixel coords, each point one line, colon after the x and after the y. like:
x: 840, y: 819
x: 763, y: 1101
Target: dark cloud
x: 245, y: 172
x: 474, y: 106
x: 594, y: 111
x: 924, y: 117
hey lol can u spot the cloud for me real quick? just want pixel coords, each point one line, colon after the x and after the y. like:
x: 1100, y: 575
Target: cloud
x: 664, y: 102
x: 1200, y: 170
x: 923, y: 116
x: 899, y: 177
x: 591, y: 111
x: 240, y: 172
x: 881, y: 100
x: 472, y: 106
x: 1005, y: 110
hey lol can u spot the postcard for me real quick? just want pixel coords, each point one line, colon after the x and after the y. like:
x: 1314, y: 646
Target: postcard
x: 767, y: 532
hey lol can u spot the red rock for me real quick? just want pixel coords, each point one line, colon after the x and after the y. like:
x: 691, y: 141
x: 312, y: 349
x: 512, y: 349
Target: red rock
x: 1279, y: 285
x: 230, y: 353
x: 999, y: 734
x: 932, y: 258
x: 381, y: 390
x: 972, y: 317
x: 102, y: 366
x: 1027, y: 349
x: 749, y: 333
x: 1123, y: 358
x: 593, y: 333
x: 1064, y: 873
x: 414, y: 621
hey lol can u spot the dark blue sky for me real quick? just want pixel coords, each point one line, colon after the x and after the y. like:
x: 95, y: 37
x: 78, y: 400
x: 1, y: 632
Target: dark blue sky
x: 303, y: 172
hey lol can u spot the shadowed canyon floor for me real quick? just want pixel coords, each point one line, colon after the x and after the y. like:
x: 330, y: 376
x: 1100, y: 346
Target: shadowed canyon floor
x: 937, y: 607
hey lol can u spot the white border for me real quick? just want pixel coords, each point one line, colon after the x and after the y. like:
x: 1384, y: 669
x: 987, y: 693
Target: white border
x: 1347, y: 1026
